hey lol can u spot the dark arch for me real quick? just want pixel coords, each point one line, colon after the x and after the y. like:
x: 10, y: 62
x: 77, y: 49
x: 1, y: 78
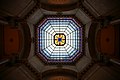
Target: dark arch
x: 91, y: 40
x: 27, y: 40
x: 59, y: 72
x: 60, y: 7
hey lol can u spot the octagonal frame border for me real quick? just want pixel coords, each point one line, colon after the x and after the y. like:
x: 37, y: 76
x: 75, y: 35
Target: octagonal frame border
x: 44, y: 59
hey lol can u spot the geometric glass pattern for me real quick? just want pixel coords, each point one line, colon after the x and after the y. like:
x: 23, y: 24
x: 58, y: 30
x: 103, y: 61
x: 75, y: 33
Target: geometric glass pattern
x: 59, y: 39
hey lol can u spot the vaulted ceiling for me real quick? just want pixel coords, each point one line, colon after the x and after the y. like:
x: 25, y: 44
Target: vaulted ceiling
x: 91, y: 13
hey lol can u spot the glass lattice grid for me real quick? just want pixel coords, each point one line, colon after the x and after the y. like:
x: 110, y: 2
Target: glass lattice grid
x: 67, y: 26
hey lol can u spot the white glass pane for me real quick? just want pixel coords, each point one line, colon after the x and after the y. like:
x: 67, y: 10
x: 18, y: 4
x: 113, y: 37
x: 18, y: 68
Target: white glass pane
x: 46, y: 53
x: 49, y: 30
x: 69, y: 49
x: 69, y: 30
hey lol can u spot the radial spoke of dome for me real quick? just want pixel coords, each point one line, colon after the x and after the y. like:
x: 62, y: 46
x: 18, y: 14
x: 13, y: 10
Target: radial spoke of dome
x: 51, y: 50
x: 52, y: 47
x: 72, y: 23
x: 52, y: 32
x: 44, y: 21
x: 66, y: 26
x: 71, y: 31
x: 76, y: 23
x: 46, y: 53
x: 72, y: 52
x: 73, y: 27
x: 66, y: 52
x: 65, y: 29
x: 53, y: 28
x: 46, y: 47
x: 66, y: 46
x: 45, y: 26
x: 75, y: 55
x: 69, y: 49
x: 72, y: 47
x: 48, y: 28
x: 67, y: 32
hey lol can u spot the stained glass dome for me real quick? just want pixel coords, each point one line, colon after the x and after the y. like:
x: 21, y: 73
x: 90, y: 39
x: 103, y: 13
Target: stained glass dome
x: 59, y: 39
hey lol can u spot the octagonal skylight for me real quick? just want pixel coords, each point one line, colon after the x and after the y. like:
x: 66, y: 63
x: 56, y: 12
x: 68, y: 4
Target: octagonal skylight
x: 59, y: 39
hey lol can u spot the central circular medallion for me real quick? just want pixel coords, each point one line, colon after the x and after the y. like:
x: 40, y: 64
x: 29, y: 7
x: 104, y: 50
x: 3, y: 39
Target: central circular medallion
x: 59, y: 39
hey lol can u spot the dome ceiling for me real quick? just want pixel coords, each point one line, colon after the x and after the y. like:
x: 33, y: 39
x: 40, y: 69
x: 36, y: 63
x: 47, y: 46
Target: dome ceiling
x: 34, y: 19
x: 35, y: 11
x: 59, y: 39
